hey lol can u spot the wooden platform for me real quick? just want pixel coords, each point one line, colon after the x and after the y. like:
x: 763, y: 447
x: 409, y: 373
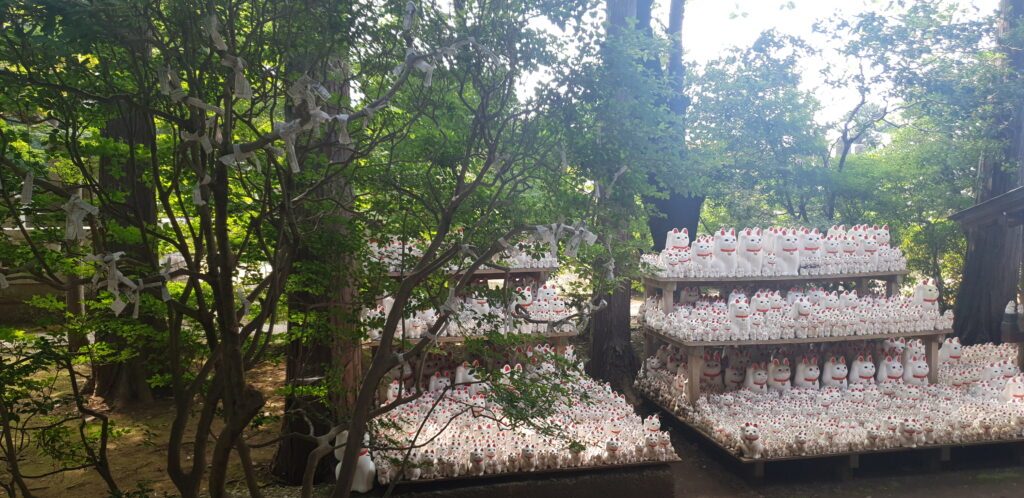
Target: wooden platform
x: 807, y: 340
x: 537, y: 473
x: 846, y: 460
x: 667, y: 286
x: 494, y: 273
x: 694, y: 350
x: 776, y: 279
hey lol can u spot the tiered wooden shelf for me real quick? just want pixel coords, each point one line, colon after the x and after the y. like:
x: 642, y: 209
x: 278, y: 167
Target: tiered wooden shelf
x: 668, y: 285
x: 536, y: 275
x: 694, y: 350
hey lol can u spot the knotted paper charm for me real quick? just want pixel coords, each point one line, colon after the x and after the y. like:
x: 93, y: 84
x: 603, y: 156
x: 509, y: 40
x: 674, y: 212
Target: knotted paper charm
x: 77, y: 209
x: 26, y: 189
x: 241, y: 85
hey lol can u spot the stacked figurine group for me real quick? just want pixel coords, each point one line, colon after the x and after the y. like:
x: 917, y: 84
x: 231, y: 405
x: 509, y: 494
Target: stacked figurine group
x: 813, y: 312
x: 458, y: 431
x: 777, y: 251
x: 399, y: 256
x: 543, y: 312
x: 395, y: 255
x: 776, y: 403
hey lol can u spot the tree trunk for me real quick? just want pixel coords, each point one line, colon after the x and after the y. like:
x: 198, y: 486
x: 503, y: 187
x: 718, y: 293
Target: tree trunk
x: 994, y: 251
x: 339, y: 353
x: 612, y: 357
x: 680, y: 212
x: 125, y: 382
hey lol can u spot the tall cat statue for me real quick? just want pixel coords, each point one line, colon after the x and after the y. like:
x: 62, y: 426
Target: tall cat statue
x: 807, y: 373
x: 788, y: 252
x: 862, y: 371
x: 889, y: 370
x: 836, y: 373
x: 366, y: 471
x: 711, y: 371
x: 751, y: 252
x: 677, y: 239
x: 926, y: 295
x: 915, y: 371
x: 757, y: 378
x: 703, y: 255
x: 725, y: 253
x: 779, y: 375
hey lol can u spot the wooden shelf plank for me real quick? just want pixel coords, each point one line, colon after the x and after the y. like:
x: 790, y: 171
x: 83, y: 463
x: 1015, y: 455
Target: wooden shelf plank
x: 491, y: 272
x: 721, y: 281
x: 404, y: 483
x: 808, y: 340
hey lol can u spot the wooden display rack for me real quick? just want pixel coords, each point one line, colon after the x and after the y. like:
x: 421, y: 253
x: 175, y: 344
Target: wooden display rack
x: 405, y: 483
x: 846, y: 461
x: 535, y: 275
x: 668, y: 285
x: 694, y: 350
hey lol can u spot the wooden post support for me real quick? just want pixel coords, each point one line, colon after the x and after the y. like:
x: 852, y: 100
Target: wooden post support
x: 757, y: 470
x: 944, y: 454
x: 560, y: 345
x: 650, y: 347
x: 667, y: 298
x: 855, y: 461
x: 844, y: 469
x: 694, y: 362
x: 892, y: 286
x: 650, y: 290
x: 931, y: 344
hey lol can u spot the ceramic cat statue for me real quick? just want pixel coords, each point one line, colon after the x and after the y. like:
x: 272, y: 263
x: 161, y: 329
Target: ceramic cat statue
x: 836, y: 373
x: 703, y: 255
x: 862, y: 370
x: 808, y: 373
x: 711, y: 371
x: 788, y: 252
x: 926, y: 295
x: 889, y: 369
x: 779, y: 375
x: 725, y: 259
x: 677, y: 239
x: 751, y: 252
x: 750, y: 441
x: 951, y: 350
x: 915, y: 371
x: 757, y: 378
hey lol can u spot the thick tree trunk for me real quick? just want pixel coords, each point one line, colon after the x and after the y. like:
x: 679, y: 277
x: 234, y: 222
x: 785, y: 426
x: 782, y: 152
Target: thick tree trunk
x: 337, y: 354
x: 612, y: 357
x: 994, y: 251
x: 679, y: 211
x: 125, y: 382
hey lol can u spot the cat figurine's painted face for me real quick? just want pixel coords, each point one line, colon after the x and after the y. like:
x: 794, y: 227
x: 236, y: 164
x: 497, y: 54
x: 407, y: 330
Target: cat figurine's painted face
x: 677, y: 239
